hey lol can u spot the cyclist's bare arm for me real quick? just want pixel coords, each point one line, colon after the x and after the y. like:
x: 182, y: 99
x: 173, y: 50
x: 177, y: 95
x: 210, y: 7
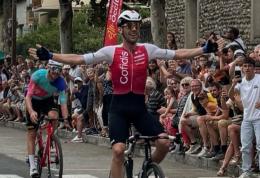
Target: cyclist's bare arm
x: 103, y: 54
x: 28, y: 103
x: 69, y: 58
x: 155, y: 52
x: 187, y: 53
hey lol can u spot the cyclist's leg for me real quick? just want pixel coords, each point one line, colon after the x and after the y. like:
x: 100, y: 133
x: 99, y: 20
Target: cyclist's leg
x: 118, y: 131
x: 31, y: 137
x: 54, y: 115
x: 149, y: 125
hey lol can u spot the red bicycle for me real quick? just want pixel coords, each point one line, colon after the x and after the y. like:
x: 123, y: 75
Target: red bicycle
x: 49, y: 157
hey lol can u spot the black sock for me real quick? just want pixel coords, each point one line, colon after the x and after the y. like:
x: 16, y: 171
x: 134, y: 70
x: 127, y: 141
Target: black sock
x: 193, y: 143
x: 224, y: 148
x: 216, y: 148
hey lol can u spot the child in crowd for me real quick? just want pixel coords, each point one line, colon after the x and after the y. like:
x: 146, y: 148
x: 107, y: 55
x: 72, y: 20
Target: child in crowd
x: 167, y: 112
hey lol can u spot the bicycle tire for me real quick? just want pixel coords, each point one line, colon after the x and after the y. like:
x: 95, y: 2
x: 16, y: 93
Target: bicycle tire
x: 152, y: 169
x: 58, y: 162
x: 39, y: 152
x: 128, y: 165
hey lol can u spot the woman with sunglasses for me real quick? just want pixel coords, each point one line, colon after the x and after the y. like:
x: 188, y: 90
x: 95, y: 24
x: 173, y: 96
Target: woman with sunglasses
x: 43, y: 85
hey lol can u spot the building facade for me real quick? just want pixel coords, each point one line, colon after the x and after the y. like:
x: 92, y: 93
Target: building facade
x: 190, y: 19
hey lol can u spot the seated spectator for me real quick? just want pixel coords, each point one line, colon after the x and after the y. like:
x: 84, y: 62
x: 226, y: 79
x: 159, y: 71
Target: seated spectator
x: 233, y: 151
x: 154, y: 99
x: 3, y: 99
x: 190, y: 118
x: 167, y: 112
x: 185, y: 90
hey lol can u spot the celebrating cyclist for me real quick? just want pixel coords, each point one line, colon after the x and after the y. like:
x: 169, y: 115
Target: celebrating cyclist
x: 128, y: 65
x: 44, y: 85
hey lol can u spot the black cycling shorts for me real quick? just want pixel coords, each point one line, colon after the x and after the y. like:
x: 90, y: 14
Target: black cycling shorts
x: 41, y: 107
x: 132, y: 110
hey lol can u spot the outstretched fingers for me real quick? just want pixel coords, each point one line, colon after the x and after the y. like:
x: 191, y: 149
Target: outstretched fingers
x: 32, y: 53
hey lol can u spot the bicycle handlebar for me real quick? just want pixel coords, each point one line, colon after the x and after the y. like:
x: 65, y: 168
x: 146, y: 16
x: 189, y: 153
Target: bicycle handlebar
x: 132, y: 140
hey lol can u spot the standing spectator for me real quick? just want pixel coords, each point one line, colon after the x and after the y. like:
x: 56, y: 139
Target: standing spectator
x: 249, y: 90
x: 107, y: 97
x: 80, y: 92
x: 171, y: 41
x: 233, y: 35
x: 73, y: 73
x: 154, y: 72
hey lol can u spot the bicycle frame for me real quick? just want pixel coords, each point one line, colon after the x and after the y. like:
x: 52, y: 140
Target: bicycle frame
x: 148, y: 153
x: 45, y: 148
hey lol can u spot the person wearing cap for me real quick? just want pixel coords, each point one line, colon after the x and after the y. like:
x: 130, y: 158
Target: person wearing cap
x: 44, y: 83
x: 128, y: 63
x: 80, y: 93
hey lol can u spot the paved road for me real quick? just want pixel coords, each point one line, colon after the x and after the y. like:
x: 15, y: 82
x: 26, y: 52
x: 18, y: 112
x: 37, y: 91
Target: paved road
x: 83, y: 160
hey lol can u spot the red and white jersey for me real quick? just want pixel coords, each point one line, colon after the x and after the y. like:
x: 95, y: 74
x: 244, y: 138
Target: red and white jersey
x: 129, y: 69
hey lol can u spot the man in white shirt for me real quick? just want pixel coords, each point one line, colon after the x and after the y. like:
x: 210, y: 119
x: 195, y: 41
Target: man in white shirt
x: 249, y: 90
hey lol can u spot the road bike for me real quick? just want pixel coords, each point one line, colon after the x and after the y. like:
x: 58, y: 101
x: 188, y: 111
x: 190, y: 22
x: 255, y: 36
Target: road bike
x: 149, y: 168
x: 48, y: 149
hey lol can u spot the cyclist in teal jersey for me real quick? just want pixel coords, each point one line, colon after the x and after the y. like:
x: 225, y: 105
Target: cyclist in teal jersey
x: 44, y: 85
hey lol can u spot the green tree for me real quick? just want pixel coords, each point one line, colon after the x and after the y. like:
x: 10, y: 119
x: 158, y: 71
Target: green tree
x: 85, y: 37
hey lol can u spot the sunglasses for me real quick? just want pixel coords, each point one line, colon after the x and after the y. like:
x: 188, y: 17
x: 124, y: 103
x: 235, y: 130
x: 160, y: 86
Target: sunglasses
x: 55, y: 69
x: 185, y: 84
x: 131, y: 25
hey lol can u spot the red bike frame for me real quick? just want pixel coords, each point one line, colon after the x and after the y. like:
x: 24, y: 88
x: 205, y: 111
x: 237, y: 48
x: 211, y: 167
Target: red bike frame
x: 46, y: 148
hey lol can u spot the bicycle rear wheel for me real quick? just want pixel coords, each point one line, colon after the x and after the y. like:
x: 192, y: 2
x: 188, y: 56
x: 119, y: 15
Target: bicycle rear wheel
x: 55, y: 166
x: 152, y: 170
x: 128, y: 165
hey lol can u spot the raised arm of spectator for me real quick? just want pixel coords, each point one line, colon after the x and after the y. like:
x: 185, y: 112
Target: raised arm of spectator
x: 232, y: 91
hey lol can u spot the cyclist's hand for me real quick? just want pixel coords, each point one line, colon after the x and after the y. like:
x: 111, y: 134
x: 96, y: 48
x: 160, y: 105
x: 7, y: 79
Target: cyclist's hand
x: 40, y: 53
x: 211, y: 46
x: 34, y: 117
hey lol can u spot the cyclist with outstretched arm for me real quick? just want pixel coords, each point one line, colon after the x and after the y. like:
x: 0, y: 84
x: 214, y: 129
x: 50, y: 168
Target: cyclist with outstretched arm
x: 44, y: 85
x: 128, y: 65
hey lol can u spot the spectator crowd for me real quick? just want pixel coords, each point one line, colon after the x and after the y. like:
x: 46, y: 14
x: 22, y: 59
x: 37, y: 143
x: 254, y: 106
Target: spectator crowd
x: 202, y: 99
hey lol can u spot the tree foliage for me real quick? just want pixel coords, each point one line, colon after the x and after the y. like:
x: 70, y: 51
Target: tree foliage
x: 86, y: 36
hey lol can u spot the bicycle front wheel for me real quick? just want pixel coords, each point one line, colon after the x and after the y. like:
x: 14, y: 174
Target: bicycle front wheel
x: 55, y: 166
x: 152, y: 170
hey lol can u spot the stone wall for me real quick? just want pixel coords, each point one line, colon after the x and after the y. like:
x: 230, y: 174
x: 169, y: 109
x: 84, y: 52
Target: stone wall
x: 214, y: 15
x: 219, y: 15
x: 175, y: 11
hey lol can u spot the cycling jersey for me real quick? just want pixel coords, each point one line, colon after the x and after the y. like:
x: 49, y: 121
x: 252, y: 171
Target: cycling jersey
x: 128, y: 68
x: 40, y: 87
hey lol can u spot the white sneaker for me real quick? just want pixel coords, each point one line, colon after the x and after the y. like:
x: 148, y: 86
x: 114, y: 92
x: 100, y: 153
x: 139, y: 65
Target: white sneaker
x: 34, y: 172
x: 77, y: 140
x: 176, y: 149
x: 248, y: 175
x: 193, y: 149
x: 74, y: 130
x: 203, y: 152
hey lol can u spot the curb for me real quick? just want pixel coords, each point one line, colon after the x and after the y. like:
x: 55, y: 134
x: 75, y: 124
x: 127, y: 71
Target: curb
x: 188, y: 159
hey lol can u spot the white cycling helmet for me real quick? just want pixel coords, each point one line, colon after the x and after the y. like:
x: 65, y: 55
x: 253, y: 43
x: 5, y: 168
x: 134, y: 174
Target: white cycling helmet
x: 55, y: 63
x: 128, y: 16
